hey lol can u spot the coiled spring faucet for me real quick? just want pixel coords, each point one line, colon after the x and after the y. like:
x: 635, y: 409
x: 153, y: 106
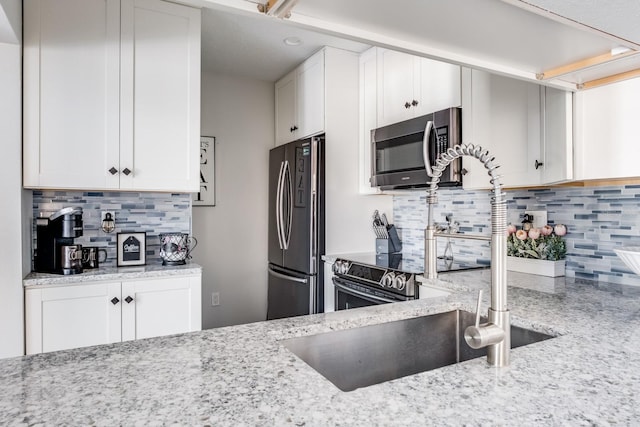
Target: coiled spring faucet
x: 496, y: 333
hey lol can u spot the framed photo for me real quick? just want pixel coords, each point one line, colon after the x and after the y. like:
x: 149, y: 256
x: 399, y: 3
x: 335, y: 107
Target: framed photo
x: 132, y: 249
x: 207, y: 194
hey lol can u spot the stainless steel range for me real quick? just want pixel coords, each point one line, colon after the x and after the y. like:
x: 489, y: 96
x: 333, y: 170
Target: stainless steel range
x: 367, y: 279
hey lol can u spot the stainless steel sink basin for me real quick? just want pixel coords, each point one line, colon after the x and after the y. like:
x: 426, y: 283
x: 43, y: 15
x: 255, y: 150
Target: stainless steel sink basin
x: 368, y: 355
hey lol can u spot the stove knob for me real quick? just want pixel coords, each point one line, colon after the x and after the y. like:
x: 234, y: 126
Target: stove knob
x: 336, y: 266
x: 344, y: 267
x: 387, y: 280
x: 400, y: 282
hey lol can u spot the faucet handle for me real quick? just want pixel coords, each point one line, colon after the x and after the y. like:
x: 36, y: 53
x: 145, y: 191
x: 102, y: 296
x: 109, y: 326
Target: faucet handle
x: 478, y: 305
x: 479, y: 336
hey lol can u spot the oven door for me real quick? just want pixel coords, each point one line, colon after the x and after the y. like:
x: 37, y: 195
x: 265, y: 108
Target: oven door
x: 352, y: 295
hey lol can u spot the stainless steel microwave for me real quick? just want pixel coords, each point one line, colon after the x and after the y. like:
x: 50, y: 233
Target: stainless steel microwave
x: 400, y: 151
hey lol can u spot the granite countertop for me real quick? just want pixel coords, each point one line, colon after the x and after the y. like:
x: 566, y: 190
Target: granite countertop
x: 112, y: 273
x: 243, y: 375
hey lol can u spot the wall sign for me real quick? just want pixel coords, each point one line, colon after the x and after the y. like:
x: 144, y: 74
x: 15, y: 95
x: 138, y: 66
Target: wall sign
x: 132, y: 249
x: 207, y: 195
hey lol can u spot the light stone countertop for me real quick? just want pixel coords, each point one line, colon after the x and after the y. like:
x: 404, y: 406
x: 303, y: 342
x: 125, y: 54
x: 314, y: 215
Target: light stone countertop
x: 243, y: 375
x: 112, y: 273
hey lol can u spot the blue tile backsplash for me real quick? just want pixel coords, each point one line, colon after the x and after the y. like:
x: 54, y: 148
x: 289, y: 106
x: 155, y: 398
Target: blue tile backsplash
x: 153, y: 213
x: 598, y: 219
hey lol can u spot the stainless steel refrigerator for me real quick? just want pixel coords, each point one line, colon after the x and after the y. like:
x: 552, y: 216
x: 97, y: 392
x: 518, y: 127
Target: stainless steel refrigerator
x: 296, y: 228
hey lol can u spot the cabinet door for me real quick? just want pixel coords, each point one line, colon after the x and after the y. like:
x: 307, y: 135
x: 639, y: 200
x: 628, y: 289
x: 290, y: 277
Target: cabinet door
x: 439, y: 86
x: 368, y: 118
x: 72, y: 316
x: 395, y: 86
x: 310, y: 95
x: 157, y: 307
x: 160, y: 96
x: 607, y: 131
x: 503, y: 116
x: 71, y: 99
x: 558, y: 135
x: 286, y: 109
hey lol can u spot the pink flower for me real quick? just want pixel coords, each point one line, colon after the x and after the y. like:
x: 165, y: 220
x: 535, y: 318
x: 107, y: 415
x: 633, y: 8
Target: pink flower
x: 560, y: 230
x: 521, y: 235
x: 546, y: 230
x: 534, y: 233
x: 511, y: 229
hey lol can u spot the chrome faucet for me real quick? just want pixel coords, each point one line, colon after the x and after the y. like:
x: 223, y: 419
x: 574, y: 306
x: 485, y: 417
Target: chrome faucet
x: 496, y: 333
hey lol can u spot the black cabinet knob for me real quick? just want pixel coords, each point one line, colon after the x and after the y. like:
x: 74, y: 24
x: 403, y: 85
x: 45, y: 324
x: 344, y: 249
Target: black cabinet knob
x: 126, y: 171
x: 407, y: 105
x: 538, y: 164
x: 414, y: 103
x: 115, y: 301
x: 113, y: 170
x: 128, y: 299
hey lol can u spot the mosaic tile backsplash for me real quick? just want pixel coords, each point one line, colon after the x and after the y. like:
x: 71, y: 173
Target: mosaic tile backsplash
x: 599, y: 219
x: 153, y: 213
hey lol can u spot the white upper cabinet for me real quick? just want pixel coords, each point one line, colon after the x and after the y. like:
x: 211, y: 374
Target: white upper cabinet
x: 160, y: 96
x: 526, y: 127
x: 300, y: 97
x: 607, y: 131
x: 411, y: 86
x: 111, y: 95
x: 368, y: 117
x: 71, y: 99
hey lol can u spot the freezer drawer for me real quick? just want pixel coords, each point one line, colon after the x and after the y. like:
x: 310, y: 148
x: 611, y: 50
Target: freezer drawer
x: 289, y: 294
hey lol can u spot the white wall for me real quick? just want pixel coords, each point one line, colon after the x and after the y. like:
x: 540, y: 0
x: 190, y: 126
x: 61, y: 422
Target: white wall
x: 12, y: 196
x: 232, y: 236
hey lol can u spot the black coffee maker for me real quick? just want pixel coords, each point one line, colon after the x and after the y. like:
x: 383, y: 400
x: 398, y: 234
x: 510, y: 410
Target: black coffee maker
x: 56, y: 252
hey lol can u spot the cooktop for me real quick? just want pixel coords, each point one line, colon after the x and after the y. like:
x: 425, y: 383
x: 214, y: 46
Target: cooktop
x: 409, y: 265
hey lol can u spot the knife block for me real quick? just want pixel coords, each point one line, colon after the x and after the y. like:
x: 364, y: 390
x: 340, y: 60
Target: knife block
x: 391, y: 245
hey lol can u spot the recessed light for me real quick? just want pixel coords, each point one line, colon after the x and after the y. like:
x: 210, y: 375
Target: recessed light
x: 292, y: 41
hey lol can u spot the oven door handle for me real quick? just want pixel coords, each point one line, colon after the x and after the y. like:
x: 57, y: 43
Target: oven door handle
x: 361, y: 294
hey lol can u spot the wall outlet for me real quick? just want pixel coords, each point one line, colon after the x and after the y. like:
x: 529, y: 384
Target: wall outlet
x: 539, y: 218
x: 215, y: 299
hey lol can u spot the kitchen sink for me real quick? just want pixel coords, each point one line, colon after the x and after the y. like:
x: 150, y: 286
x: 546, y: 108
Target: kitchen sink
x: 360, y: 357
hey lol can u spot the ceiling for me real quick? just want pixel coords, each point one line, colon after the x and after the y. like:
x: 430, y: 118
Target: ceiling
x: 253, y: 46
x: 513, y: 37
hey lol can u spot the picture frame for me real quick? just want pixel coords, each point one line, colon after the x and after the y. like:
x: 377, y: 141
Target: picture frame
x: 131, y: 249
x: 207, y: 194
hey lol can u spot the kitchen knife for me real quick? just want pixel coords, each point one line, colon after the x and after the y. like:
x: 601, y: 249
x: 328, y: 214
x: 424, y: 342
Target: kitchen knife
x: 385, y: 222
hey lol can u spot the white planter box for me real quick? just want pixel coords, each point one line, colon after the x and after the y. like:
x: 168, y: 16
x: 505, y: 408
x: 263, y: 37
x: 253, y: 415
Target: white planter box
x: 536, y: 266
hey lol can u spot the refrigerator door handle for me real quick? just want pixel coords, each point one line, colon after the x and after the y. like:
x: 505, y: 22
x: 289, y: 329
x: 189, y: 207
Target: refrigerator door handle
x: 287, y: 179
x: 314, y: 202
x: 279, y: 206
x: 285, y: 277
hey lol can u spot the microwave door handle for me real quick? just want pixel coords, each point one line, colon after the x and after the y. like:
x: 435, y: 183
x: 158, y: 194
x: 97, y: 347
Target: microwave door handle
x: 425, y: 148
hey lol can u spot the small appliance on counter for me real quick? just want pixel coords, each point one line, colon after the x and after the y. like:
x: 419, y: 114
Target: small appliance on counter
x: 175, y: 248
x: 56, y: 252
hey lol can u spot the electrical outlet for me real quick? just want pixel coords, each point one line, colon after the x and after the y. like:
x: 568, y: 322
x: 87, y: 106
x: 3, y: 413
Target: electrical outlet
x: 539, y: 218
x: 215, y: 299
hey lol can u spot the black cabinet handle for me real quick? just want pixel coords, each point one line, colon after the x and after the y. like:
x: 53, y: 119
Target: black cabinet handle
x: 538, y: 164
x: 113, y: 170
x: 126, y: 171
x: 293, y: 128
x: 115, y: 301
x: 128, y: 299
x: 414, y: 103
x: 407, y: 105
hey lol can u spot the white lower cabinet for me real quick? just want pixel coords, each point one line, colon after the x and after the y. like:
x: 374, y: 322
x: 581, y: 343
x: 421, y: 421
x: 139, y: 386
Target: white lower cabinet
x: 79, y: 315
